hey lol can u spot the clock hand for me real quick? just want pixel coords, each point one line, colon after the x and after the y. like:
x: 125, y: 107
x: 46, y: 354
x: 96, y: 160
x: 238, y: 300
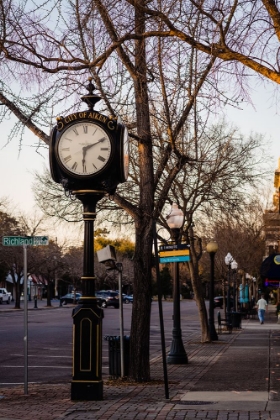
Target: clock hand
x: 85, y: 148
x: 83, y: 160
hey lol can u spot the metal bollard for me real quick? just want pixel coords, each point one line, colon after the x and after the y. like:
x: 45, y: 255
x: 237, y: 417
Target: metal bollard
x: 35, y: 302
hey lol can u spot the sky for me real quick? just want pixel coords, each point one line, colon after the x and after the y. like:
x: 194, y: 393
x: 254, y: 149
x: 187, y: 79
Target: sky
x: 17, y: 169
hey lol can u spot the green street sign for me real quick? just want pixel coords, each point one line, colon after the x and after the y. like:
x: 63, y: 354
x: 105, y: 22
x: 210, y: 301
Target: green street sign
x: 25, y: 240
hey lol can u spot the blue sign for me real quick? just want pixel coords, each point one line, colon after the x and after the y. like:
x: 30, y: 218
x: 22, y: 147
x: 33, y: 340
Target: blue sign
x: 244, y: 293
x: 180, y: 258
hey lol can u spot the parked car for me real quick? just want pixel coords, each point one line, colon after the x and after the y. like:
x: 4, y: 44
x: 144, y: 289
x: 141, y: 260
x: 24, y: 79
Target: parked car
x: 5, y: 296
x: 69, y: 298
x: 127, y: 298
x: 108, y: 298
x: 218, y: 302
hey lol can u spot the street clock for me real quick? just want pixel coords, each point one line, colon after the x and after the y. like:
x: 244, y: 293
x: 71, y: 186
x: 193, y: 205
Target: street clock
x: 89, y: 151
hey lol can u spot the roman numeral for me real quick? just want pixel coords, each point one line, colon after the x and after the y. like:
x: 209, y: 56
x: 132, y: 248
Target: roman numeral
x: 85, y: 127
x: 74, y: 167
x: 101, y: 158
x: 65, y: 149
x: 94, y: 166
x: 104, y: 148
x: 75, y: 131
x: 67, y: 158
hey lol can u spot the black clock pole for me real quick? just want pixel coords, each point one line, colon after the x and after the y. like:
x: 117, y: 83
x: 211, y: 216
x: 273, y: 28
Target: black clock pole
x: 71, y: 139
x: 87, y: 381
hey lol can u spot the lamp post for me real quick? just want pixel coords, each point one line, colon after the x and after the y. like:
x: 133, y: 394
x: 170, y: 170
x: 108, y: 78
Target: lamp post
x: 212, y: 248
x: 29, y: 290
x: 228, y: 261
x: 177, y: 354
x: 254, y: 289
x: 234, y: 266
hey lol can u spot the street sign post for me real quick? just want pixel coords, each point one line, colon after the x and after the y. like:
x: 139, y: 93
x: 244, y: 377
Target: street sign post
x: 25, y: 240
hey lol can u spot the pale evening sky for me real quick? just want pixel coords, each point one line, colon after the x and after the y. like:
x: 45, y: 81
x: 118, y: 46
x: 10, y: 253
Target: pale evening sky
x: 16, y: 168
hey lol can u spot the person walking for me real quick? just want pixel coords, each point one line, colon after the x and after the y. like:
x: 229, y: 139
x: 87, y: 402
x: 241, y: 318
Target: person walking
x: 262, y: 304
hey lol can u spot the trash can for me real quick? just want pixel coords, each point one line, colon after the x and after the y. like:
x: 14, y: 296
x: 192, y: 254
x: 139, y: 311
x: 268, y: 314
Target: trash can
x: 236, y: 318
x: 115, y: 354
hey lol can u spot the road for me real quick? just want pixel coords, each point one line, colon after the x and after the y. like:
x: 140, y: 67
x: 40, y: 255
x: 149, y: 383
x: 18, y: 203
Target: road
x: 50, y: 339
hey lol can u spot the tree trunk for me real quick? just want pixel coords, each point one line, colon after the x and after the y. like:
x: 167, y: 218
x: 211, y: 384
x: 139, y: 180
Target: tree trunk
x: 49, y: 293
x: 140, y: 323
x: 198, y: 291
x: 18, y: 292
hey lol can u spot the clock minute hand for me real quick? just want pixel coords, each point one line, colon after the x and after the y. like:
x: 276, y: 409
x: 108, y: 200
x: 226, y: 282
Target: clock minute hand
x: 85, y: 148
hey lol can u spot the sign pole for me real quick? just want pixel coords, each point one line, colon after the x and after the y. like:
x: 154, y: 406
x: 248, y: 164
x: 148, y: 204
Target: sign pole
x: 162, y: 335
x: 24, y: 241
x: 120, y: 268
x: 25, y: 321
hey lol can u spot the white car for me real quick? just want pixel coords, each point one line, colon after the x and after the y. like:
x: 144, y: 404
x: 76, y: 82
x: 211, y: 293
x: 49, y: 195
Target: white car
x: 5, y: 296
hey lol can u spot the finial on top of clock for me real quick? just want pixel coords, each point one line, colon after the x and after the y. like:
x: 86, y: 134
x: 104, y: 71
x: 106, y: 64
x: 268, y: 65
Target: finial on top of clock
x: 91, y: 98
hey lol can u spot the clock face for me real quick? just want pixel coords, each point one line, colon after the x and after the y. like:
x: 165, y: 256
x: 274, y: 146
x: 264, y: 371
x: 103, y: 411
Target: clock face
x: 125, y: 153
x: 84, y: 149
x: 277, y: 259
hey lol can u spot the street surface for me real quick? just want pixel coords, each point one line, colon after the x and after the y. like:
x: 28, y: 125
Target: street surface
x: 234, y: 378
x: 50, y: 339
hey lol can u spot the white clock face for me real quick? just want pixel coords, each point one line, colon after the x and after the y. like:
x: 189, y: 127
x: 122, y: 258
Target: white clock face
x: 84, y: 149
x: 125, y: 153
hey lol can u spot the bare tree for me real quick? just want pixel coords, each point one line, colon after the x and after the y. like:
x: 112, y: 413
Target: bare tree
x: 158, y: 68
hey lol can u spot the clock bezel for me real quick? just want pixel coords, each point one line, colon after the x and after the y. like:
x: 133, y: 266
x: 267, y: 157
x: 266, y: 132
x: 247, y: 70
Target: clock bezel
x: 83, y: 176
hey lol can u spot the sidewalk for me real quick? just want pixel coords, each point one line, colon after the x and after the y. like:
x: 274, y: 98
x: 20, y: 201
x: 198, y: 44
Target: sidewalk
x: 234, y: 378
x: 41, y: 304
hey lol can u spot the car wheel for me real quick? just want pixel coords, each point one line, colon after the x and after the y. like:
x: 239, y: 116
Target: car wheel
x: 126, y: 301
x: 103, y: 305
x: 8, y: 301
x: 1, y: 301
x: 64, y: 302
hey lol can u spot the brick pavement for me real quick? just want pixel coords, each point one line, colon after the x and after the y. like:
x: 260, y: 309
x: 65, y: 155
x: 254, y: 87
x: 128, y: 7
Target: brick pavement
x: 136, y: 401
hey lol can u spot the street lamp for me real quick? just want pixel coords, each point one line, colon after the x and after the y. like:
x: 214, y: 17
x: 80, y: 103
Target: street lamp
x: 234, y: 266
x: 212, y: 248
x: 228, y: 261
x: 177, y: 354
